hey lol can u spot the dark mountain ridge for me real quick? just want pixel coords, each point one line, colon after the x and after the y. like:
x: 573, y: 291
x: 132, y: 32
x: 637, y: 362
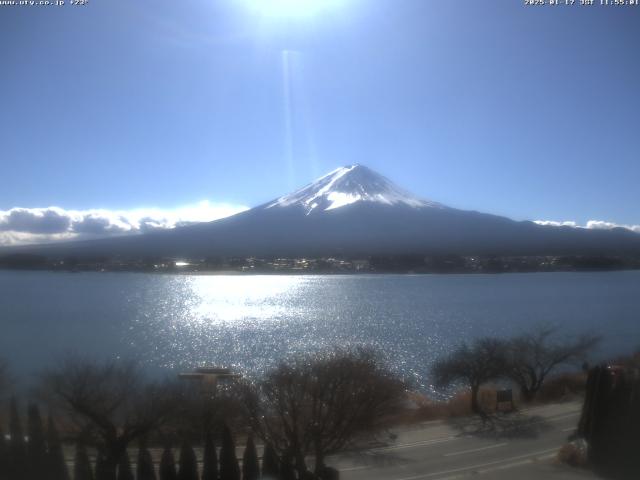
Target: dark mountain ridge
x: 353, y: 211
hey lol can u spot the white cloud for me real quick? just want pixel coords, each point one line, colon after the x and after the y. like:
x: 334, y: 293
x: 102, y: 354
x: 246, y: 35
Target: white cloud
x: 602, y: 225
x: 21, y: 238
x: 554, y: 223
x: 20, y: 226
x: 591, y: 225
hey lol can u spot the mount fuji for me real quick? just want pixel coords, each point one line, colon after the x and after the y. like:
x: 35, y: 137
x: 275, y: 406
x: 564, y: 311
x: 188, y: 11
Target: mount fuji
x: 348, y: 185
x: 355, y: 211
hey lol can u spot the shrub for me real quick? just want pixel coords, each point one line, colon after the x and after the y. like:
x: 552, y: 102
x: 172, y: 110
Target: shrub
x: 573, y: 454
x: 459, y: 405
x: 562, y: 387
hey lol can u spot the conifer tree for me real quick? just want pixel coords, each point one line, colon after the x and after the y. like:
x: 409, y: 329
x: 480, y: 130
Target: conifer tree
x: 168, y: 465
x: 3, y: 456
x: 210, y: 459
x: 188, y: 463
x: 82, y: 465
x: 229, y: 468
x: 270, y: 463
x: 286, y: 469
x: 17, y: 452
x: 56, y: 463
x: 125, y: 472
x: 250, y: 465
x: 37, y: 447
x: 145, y: 469
x: 102, y: 469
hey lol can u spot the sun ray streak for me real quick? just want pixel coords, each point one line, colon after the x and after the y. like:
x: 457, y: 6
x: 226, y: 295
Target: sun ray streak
x: 288, y: 115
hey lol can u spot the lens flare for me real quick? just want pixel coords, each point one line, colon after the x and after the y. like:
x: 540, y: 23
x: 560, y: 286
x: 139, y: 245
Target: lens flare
x: 292, y: 8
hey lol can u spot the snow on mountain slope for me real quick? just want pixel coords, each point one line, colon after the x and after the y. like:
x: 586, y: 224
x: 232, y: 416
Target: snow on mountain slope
x: 347, y: 185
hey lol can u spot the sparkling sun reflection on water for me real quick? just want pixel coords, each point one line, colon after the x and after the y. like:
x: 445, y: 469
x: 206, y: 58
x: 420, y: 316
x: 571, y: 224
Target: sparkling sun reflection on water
x: 253, y: 322
x: 245, y: 300
x: 231, y: 320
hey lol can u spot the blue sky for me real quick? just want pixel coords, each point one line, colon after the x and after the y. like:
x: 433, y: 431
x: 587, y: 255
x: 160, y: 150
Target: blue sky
x: 122, y: 105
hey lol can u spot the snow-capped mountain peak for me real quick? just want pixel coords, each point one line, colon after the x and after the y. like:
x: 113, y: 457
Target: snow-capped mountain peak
x: 348, y: 185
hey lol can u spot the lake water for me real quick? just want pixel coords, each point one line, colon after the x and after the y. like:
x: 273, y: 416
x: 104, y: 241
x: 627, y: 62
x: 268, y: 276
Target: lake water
x: 251, y: 322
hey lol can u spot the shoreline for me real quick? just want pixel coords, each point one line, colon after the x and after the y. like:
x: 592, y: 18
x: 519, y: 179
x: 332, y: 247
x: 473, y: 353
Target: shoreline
x: 313, y: 273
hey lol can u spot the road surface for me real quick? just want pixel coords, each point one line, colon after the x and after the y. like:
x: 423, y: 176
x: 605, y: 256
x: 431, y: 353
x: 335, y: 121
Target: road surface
x: 523, y: 446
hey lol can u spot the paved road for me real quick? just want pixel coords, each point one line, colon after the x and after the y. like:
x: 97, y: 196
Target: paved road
x: 522, y: 445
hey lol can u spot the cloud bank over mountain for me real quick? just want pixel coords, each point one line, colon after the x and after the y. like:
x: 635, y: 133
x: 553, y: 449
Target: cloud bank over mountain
x: 23, y: 226
x: 591, y: 225
x: 20, y: 226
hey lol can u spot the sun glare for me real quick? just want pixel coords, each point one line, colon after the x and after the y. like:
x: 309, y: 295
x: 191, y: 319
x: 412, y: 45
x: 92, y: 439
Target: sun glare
x: 292, y: 8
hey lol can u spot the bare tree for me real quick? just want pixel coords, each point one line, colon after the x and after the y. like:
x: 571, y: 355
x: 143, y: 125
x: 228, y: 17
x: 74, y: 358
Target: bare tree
x: 535, y: 354
x: 321, y: 405
x: 110, y: 399
x: 482, y: 361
